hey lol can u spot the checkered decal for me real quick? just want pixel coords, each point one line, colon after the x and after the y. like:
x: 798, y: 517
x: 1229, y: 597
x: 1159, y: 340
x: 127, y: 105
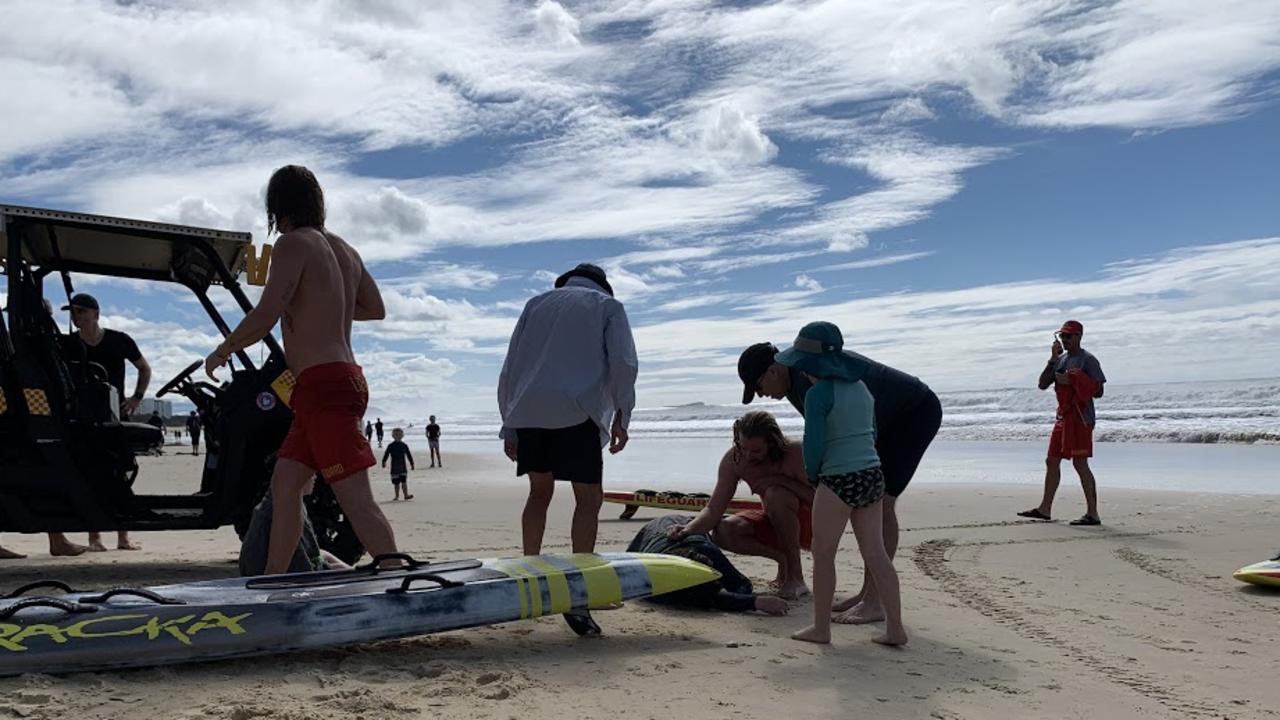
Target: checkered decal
x: 37, y: 401
x: 283, y: 386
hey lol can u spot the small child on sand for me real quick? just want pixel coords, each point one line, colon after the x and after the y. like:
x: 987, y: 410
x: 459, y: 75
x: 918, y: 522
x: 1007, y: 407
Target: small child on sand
x: 841, y: 461
x: 398, y: 451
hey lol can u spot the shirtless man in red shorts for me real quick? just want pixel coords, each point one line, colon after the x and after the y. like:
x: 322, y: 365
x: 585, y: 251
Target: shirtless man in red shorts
x: 773, y: 467
x: 319, y: 285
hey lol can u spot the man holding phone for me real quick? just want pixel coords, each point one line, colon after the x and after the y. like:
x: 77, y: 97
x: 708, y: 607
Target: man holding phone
x: 1077, y: 379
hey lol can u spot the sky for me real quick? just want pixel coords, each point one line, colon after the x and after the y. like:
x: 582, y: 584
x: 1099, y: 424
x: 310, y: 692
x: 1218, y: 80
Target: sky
x: 946, y: 180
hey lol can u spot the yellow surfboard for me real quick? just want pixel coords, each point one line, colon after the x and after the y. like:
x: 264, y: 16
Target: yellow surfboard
x: 1264, y: 573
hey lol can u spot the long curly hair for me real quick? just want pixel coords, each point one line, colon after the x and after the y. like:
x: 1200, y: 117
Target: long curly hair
x: 294, y: 193
x: 759, y: 424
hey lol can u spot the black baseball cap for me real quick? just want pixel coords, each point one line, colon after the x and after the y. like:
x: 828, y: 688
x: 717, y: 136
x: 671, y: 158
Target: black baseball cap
x: 82, y: 300
x: 751, y: 365
x: 591, y: 272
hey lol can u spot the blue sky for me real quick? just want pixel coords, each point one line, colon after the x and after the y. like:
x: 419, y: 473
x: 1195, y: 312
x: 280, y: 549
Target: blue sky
x: 947, y: 181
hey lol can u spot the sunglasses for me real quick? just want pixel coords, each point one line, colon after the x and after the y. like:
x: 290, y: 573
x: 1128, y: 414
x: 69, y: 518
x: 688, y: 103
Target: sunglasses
x: 1066, y: 336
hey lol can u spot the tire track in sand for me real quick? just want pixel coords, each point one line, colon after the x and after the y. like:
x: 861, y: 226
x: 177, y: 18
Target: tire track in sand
x: 931, y: 558
x: 1181, y: 572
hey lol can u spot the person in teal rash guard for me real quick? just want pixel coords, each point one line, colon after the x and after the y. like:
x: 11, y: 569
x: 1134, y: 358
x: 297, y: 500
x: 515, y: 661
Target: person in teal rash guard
x: 841, y: 462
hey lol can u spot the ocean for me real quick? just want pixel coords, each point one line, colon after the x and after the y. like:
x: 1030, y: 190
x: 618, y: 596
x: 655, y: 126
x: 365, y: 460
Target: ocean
x: 1237, y: 411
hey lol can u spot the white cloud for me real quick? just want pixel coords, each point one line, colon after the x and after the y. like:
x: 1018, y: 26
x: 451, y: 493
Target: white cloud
x: 874, y: 262
x: 804, y: 282
x: 556, y: 24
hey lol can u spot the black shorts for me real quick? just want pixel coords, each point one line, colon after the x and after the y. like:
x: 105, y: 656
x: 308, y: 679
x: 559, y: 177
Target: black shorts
x: 902, y: 445
x: 571, y: 453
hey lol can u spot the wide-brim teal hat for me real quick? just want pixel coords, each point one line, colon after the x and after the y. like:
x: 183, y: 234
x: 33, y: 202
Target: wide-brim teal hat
x: 819, y: 351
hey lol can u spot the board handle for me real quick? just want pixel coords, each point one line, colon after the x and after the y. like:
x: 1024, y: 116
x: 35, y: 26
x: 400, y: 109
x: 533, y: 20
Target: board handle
x: 64, y: 605
x: 443, y: 581
x: 375, y: 565
x: 131, y: 592
x: 39, y: 584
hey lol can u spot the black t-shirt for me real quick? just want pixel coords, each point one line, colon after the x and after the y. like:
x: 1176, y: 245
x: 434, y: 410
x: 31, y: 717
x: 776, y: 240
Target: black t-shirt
x: 433, y: 432
x: 895, y: 392
x: 110, y: 353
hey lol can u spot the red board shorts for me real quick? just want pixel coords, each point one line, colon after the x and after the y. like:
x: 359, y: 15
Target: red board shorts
x: 329, y: 402
x: 1068, y: 445
x: 767, y: 534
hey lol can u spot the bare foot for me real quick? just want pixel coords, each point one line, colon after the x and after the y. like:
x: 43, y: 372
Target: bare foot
x: 846, y: 604
x: 66, y: 548
x: 95, y: 546
x: 793, y: 591
x: 894, y: 638
x: 128, y: 545
x: 612, y: 606
x: 813, y: 635
x: 860, y: 614
x: 7, y: 554
x: 771, y: 605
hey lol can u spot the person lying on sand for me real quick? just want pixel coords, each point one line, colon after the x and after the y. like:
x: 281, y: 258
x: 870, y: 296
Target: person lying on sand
x: 731, y: 593
x: 307, y: 557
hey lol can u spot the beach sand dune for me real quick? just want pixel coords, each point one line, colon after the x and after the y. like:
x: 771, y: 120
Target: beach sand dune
x: 1138, y: 618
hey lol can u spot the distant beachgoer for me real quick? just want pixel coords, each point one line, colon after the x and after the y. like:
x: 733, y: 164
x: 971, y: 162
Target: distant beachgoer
x: 377, y: 428
x: 193, y: 429
x: 368, y: 432
x: 840, y: 459
x: 566, y: 389
x: 398, y: 452
x: 908, y: 415
x: 731, y: 593
x: 772, y: 466
x: 1077, y: 379
x: 433, y: 442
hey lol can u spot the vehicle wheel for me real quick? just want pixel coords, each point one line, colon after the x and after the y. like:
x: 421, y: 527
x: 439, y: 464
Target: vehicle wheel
x: 333, y: 529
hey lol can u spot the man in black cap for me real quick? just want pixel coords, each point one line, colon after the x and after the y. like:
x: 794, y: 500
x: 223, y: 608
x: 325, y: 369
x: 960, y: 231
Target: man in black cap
x: 908, y: 415
x: 566, y: 390
x: 110, y: 349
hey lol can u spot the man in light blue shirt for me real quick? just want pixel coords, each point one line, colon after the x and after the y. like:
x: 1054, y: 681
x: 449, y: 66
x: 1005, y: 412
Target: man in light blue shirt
x: 570, y: 373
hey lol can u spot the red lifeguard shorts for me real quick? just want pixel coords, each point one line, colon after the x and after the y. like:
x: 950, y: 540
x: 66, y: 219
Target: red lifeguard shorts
x: 329, y: 402
x: 767, y: 534
x: 1064, y: 444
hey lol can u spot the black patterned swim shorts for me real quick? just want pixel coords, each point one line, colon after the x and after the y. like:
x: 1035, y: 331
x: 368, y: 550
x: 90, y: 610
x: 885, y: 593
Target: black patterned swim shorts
x: 857, y: 489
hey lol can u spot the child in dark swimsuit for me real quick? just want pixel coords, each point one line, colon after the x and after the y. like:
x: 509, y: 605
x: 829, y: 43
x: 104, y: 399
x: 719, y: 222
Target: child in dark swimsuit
x: 841, y: 461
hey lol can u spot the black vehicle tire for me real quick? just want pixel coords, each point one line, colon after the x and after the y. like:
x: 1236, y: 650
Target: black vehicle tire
x: 333, y: 529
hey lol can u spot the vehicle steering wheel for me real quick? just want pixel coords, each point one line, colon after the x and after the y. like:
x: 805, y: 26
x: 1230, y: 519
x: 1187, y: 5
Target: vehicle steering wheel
x: 177, y: 379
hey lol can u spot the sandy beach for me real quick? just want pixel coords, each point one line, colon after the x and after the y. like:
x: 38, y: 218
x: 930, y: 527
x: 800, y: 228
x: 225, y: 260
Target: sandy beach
x: 1138, y: 618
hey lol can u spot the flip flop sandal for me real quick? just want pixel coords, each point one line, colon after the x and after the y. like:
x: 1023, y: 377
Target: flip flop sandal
x: 1034, y: 514
x: 1086, y: 520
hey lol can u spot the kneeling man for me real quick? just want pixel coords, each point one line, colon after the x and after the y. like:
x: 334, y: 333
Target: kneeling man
x: 772, y: 465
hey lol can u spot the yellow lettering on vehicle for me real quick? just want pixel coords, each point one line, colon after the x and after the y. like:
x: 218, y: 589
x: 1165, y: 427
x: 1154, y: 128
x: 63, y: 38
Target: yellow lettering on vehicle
x: 15, y: 638
x: 50, y: 631
x: 256, y: 266
x: 77, y: 630
x: 154, y: 627
x: 215, y: 619
x: 7, y: 630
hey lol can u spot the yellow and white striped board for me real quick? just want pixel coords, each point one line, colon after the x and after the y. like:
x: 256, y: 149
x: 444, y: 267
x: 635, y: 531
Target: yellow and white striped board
x: 1265, y: 573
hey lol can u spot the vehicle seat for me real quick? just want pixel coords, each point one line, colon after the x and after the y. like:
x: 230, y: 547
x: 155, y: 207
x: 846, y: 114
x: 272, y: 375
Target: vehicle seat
x: 140, y: 438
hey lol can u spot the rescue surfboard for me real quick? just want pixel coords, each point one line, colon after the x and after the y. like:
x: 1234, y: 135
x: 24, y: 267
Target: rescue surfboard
x: 49, y: 628
x: 692, y: 502
x: 1265, y: 573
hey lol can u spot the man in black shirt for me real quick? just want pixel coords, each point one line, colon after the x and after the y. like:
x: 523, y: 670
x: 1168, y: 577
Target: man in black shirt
x: 908, y: 415
x: 110, y: 349
x: 377, y: 427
